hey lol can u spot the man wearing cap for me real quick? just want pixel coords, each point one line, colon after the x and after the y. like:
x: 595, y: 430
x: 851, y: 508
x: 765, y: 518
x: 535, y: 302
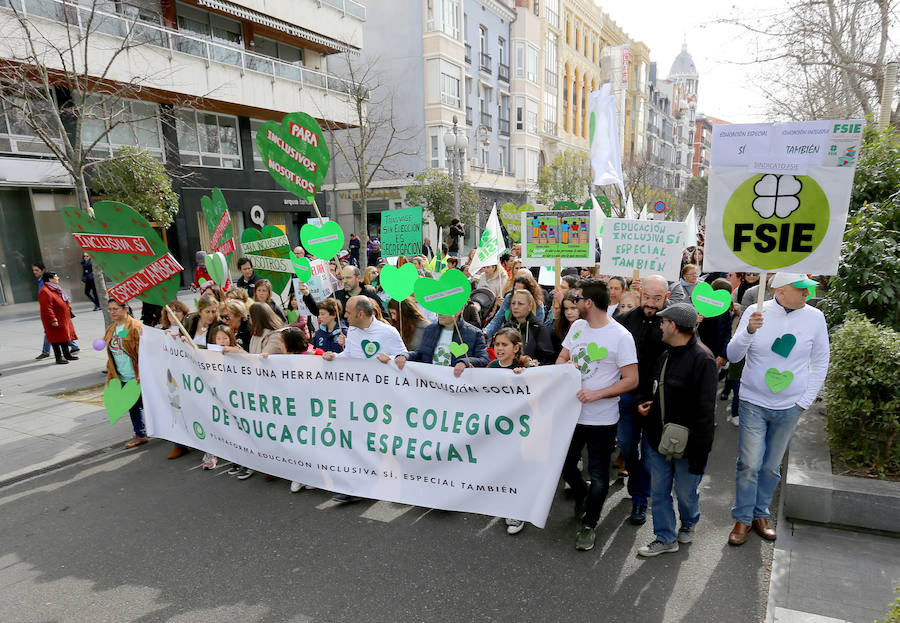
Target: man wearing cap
x: 684, y: 393
x: 787, y: 351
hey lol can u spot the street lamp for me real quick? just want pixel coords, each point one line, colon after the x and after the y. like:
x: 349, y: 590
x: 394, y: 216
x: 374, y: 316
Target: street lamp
x: 457, y: 146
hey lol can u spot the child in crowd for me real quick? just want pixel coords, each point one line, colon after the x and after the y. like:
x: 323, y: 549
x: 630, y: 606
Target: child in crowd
x: 219, y: 336
x: 329, y: 337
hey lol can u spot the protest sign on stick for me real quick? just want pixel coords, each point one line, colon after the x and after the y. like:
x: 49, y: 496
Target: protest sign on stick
x: 567, y: 235
x: 633, y: 246
x: 401, y: 232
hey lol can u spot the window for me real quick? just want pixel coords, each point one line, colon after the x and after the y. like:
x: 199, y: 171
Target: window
x: 501, y: 50
x: 551, y: 11
x: 531, y: 63
x: 501, y: 153
x: 482, y: 39
x: 550, y: 112
x: 520, y: 113
x: 531, y: 173
x: 520, y: 59
x: 16, y: 135
x: 531, y: 116
x: 520, y: 162
x: 208, y: 139
x: 435, y: 148
x: 485, y: 155
x: 130, y: 123
x: 209, y: 25
x: 443, y: 15
x: 276, y: 49
x: 258, y: 164
x: 450, y: 90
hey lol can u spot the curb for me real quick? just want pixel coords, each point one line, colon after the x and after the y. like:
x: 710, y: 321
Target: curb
x: 61, y: 464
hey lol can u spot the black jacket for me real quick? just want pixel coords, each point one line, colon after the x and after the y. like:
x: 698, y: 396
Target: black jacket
x: 536, y: 340
x: 343, y: 296
x: 248, y: 284
x: 456, y: 232
x: 649, y: 345
x: 690, y: 400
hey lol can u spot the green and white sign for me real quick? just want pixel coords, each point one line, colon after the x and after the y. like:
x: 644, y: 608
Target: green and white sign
x: 401, y: 232
x: 218, y: 223
x: 778, y: 195
x: 564, y: 234
x: 270, y: 253
x: 295, y: 153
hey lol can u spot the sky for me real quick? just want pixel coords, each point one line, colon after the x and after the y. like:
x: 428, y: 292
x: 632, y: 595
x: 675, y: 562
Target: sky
x: 726, y: 88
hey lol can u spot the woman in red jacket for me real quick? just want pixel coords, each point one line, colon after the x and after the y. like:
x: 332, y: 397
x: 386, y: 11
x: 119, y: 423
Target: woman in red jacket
x: 56, y: 316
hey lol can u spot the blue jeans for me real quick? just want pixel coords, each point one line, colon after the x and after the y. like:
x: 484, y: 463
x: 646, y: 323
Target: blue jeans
x: 663, y: 475
x: 763, y: 438
x: 600, y: 441
x: 45, y: 349
x: 137, y: 418
x: 628, y: 438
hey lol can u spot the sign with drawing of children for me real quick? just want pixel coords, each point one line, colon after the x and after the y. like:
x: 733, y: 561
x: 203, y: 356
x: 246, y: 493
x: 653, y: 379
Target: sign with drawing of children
x: 563, y: 234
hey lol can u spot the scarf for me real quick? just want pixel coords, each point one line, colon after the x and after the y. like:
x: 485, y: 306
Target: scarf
x: 62, y: 292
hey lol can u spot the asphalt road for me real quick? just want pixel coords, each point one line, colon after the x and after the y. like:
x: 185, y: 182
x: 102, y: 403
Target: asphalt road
x: 130, y: 536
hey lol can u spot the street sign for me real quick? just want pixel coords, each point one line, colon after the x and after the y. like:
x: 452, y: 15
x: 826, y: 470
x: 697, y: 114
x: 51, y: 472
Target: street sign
x: 660, y: 207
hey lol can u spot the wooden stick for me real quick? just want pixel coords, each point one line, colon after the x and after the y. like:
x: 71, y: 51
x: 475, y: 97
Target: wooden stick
x: 635, y: 276
x: 761, y: 295
x: 337, y: 261
x: 184, y: 332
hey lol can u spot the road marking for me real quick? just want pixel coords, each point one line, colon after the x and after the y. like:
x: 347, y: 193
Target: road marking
x: 328, y: 504
x: 493, y: 522
x: 385, y: 511
x: 422, y: 515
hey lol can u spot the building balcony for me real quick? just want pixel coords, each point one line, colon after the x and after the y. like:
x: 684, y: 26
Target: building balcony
x: 486, y: 119
x: 503, y: 126
x: 503, y: 72
x: 550, y: 79
x: 549, y: 127
x: 468, y: 53
x: 191, y: 67
x: 485, y: 62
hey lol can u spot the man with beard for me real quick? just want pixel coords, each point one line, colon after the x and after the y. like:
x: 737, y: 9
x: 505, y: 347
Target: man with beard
x: 643, y: 324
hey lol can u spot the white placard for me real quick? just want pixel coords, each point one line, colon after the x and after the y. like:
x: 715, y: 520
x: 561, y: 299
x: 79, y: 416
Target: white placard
x: 650, y: 247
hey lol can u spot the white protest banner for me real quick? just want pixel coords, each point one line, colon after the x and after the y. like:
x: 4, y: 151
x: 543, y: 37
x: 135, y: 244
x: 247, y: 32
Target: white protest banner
x: 652, y: 247
x: 488, y: 442
x: 690, y: 229
x: 778, y: 195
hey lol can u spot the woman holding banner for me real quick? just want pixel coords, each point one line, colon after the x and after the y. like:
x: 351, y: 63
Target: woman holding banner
x: 123, y: 338
x: 536, y: 340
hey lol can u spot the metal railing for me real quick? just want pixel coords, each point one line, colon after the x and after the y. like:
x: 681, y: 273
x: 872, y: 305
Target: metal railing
x: 145, y: 33
x: 349, y: 7
x: 485, y: 62
x: 503, y: 72
x: 486, y: 119
x: 549, y: 127
x: 503, y: 125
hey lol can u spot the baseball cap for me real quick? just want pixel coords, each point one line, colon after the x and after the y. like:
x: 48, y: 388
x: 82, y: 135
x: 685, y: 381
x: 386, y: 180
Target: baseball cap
x: 682, y: 314
x: 798, y: 280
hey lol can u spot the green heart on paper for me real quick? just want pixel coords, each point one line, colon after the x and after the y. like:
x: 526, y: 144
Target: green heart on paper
x: 446, y: 295
x: 295, y: 153
x: 398, y: 282
x: 708, y: 302
x: 784, y: 345
x: 217, y: 267
x: 218, y: 223
x: 302, y: 268
x: 269, y: 243
x: 122, y: 243
x: 777, y: 380
x: 370, y: 349
x: 458, y: 350
x: 118, y: 398
x: 596, y: 353
x: 292, y: 316
x: 511, y: 217
x: 323, y: 242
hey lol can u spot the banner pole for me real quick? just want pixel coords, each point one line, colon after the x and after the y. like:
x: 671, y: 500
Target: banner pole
x: 337, y: 261
x: 761, y: 295
x: 184, y: 332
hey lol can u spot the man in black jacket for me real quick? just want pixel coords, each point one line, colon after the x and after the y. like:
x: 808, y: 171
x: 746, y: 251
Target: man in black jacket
x: 353, y: 286
x: 248, y: 277
x: 456, y: 232
x: 685, y: 394
x: 643, y: 324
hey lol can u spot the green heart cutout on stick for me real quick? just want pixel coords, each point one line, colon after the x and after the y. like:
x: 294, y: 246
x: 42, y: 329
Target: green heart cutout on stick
x: 370, y: 349
x: 597, y: 353
x: 217, y: 267
x: 270, y: 253
x: 458, y: 350
x: 323, y: 242
x: 446, y: 295
x: 118, y: 398
x: 218, y: 223
x: 511, y: 217
x: 302, y: 268
x: 784, y: 344
x: 399, y: 282
x: 295, y: 153
x: 708, y: 302
x: 292, y: 316
x: 778, y: 380
x: 124, y: 245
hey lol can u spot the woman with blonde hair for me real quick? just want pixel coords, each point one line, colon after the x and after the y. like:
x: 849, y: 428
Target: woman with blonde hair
x: 262, y: 293
x: 233, y: 312
x: 370, y: 276
x: 239, y: 294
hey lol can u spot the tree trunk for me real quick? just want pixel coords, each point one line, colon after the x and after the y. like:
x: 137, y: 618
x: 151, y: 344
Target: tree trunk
x: 364, y: 215
x: 84, y: 204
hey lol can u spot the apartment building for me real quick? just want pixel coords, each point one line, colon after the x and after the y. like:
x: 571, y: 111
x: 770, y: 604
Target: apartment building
x: 213, y: 71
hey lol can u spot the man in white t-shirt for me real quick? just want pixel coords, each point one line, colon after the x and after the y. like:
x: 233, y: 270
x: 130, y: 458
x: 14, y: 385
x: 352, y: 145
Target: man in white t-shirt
x: 604, y: 352
x: 367, y: 338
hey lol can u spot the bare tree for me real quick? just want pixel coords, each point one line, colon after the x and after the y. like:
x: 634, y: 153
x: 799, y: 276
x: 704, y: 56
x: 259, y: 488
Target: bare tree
x: 370, y: 148
x: 75, y: 48
x: 822, y: 58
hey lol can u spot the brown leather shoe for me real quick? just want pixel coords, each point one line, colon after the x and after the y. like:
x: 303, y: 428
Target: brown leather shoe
x: 134, y: 442
x: 176, y: 452
x: 738, y: 534
x: 764, y: 528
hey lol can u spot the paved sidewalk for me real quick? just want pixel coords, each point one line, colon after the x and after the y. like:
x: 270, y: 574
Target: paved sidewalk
x: 38, y: 431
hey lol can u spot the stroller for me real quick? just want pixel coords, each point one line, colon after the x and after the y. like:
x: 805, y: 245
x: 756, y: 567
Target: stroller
x: 481, y: 304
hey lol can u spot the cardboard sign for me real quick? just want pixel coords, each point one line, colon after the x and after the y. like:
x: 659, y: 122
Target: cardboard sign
x: 218, y: 223
x: 564, y: 234
x: 778, y: 195
x: 511, y: 217
x: 320, y: 283
x: 651, y: 247
x: 401, y: 232
x: 295, y: 153
x: 124, y: 245
x: 270, y: 253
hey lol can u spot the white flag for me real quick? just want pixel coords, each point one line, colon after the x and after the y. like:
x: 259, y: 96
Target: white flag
x: 490, y: 246
x: 690, y: 229
x: 606, y: 159
x: 629, y: 208
x: 643, y: 215
x: 599, y: 220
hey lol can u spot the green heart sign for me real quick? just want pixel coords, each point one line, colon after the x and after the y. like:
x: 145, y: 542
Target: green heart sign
x: 218, y: 223
x: 784, y: 345
x: 217, y: 267
x: 446, y: 295
x: 124, y: 245
x: 118, y: 398
x: 458, y: 350
x: 295, y: 153
x: 302, y: 268
x: 708, y: 302
x: 324, y: 241
x: 778, y: 380
x: 511, y: 217
x: 398, y: 282
x: 292, y: 316
x: 370, y: 349
x: 270, y: 253
x: 596, y: 353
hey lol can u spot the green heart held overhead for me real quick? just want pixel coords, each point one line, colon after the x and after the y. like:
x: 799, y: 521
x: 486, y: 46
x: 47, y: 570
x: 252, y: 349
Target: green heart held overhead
x: 118, y: 398
x: 708, y: 302
x: 295, y: 153
x: 218, y: 223
x: 324, y: 242
x: 446, y: 295
x: 302, y: 268
x: 217, y: 267
x: 399, y: 282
